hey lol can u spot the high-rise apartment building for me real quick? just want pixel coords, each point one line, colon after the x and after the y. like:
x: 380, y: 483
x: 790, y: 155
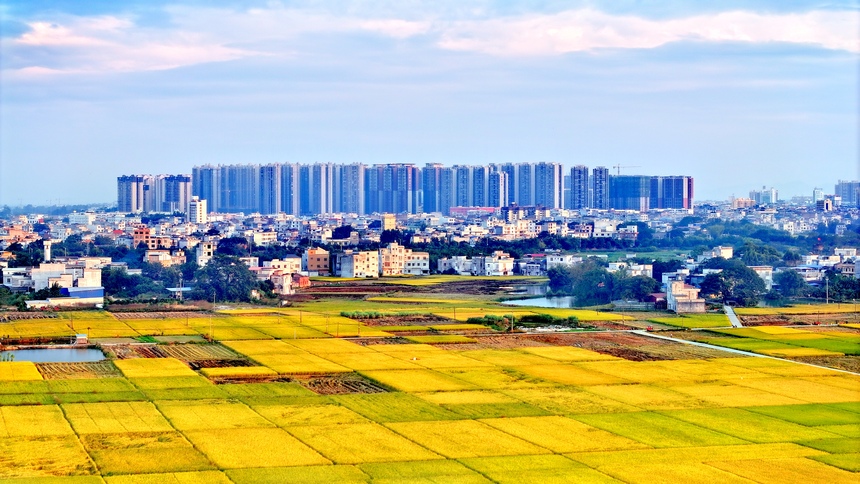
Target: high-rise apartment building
x: 290, y: 188
x: 525, y: 184
x: 431, y: 184
x: 130, y: 193
x: 765, y: 196
x: 629, y: 192
x: 351, y: 190
x: 510, y: 170
x: 547, y: 191
x: 153, y: 193
x: 270, y: 189
x: 671, y: 192
x: 600, y: 188
x: 480, y: 186
x: 578, y: 187
x: 497, y: 189
x: 197, y: 212
x: 174, y: 192
x: 849, y: 191
x: 463, y: 191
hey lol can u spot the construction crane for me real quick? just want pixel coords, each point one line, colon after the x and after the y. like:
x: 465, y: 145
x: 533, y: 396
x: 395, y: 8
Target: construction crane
x: 619, y: 167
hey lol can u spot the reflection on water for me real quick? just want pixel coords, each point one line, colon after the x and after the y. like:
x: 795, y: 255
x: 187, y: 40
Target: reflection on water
x: 53, y: 355
x: 544, y: 302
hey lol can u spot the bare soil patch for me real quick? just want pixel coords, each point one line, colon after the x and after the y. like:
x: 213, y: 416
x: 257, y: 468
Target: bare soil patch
x: 198, y: 364
x: 407, y: 320
x: 381, y: 341
x: 161, y: 315
x: 340, y: 384
x: 70, y: 371
x: 20, y: 315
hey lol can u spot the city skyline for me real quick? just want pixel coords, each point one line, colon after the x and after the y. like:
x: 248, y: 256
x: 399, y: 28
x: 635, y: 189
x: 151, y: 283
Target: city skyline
x: 320, y: 188
x: 741, y: 95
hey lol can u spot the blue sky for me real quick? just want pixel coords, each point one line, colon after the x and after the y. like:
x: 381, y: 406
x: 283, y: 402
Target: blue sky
x: 736, y: 94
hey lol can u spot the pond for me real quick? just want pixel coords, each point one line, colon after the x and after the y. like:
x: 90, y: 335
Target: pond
x: 543, y: 302
x: 54, y: 355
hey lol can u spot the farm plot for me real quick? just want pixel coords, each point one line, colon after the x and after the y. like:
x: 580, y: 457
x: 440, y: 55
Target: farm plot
x: 212, y: 414
x: 84, y: 370
x: 569, y: 400
x: 145, y: 452
x: 298, y: 475
x: 810, y: 414
x: 44, y: 456
x: 153, y: 368
x: 535, y: 469
x: 288, y: 416
x: 562, y: 435
x: 394, y: 407
x: 340, y: 384
x: 360, y: 443
x: 750, y: 426
x: 657, y: 430
x: 256, y: 447
x: 178, y: 388
x: 115, y: 417
x: 649, y: 397
x: 494, y: 378
x: 464, y: 438
x: 370, y: 361
x: 33, y: 421
x: 423, y: 471
x: 18, y: 371
x: 417, y: 380
x: 777, y: 471
x: 695, y: 321
x: 200, y: 477
x: 570, y: 375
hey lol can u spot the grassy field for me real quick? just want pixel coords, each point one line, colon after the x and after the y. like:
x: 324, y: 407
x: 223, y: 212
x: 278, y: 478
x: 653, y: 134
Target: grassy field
x: 315, y: 407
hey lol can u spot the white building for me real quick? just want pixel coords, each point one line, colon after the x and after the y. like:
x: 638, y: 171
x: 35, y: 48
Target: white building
x: 683, y: 298
x: 555, y: 260
x: 197, y: 211
x: 358, y: 264
x: 459, y: 264
x: 498, y: 264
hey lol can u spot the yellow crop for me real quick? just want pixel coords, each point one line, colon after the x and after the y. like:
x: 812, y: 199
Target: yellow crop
x: 240, y: 448
x: 359, y: 443
x: 18, y: 371
x: 115, y: 417
x: 153, y: 367
x: 465, y: 438
x: 560, y: 434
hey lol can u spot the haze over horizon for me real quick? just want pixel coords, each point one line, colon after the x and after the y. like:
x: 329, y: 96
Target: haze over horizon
x: 738, y: 96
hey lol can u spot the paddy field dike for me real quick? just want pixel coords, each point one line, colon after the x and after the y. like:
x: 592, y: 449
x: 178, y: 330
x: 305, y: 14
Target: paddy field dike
x: 398, y: 387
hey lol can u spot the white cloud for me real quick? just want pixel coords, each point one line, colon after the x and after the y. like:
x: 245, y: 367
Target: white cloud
x: 583, y: 30
x: 203, y: 35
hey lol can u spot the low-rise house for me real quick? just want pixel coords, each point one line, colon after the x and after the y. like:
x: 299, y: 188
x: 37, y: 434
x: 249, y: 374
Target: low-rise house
x: 683, y: 298
x: 355, y: 264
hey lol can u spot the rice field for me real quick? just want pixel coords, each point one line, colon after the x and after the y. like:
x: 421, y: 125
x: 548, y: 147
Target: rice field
x: 315, y: 405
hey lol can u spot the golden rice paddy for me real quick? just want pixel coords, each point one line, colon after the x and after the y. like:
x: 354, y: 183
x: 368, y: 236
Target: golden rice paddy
x: 550, y: 413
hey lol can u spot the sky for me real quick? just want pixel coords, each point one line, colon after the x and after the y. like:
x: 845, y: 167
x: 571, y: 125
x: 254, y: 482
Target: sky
x: 738, y: 94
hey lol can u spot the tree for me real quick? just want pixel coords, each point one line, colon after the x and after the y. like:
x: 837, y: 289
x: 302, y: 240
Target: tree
x: 235, y: 246
x: 758, y: 255
x: 341, y: 232
x: 636, y: 287
x: 736, y: 283
x: 790, y: 283
x: 227, y: 277
x: 53, y: 291
x: 791, y: 258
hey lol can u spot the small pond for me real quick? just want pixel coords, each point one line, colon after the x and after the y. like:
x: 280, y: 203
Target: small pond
x: 54, y: 355
x: 543, y: 302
